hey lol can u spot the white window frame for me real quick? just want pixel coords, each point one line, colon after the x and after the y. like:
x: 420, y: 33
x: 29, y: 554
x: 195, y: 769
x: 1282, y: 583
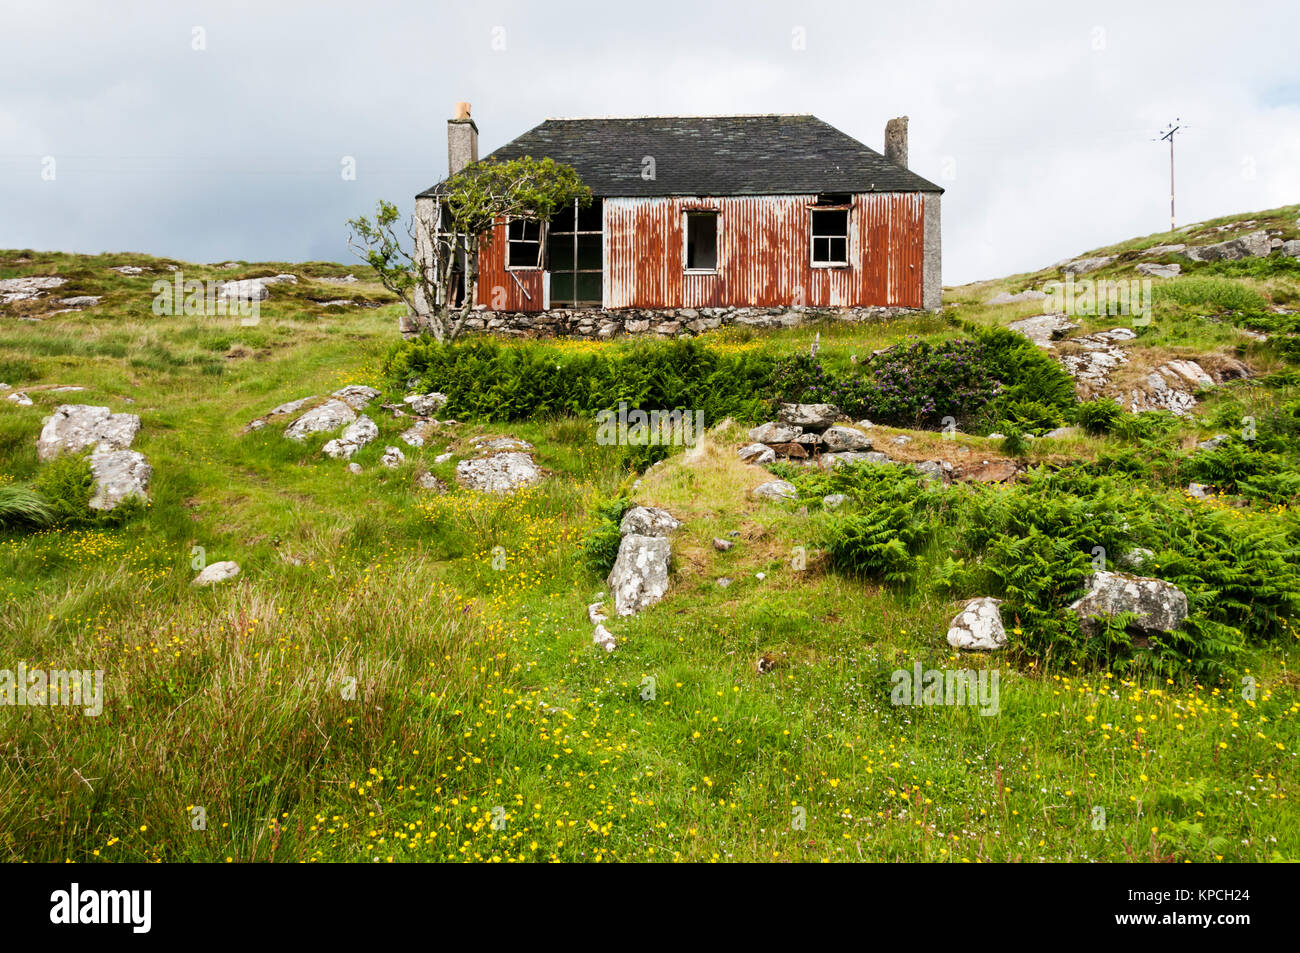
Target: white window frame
x: 848, y: 236
x: 717, y: 240
x: 541, y: 245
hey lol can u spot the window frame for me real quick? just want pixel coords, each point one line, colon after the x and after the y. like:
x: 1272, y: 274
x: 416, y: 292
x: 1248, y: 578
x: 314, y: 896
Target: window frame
x: 576, y: 233
x: 813, y: 236
x: 716, y: 214
x: 540, y: 243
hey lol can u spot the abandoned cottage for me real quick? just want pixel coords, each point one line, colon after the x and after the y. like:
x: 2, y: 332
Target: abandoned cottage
x: 710, y: 212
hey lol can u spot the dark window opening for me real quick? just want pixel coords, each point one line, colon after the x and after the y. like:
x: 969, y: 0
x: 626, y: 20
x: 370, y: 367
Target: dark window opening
x: 830, y: 236
x: 524, y: 243
x: 575, y: 256
x: 835, y: 198
x: 701, y: 241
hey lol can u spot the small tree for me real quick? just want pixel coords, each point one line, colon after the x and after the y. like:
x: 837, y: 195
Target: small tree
x: 465, y: 209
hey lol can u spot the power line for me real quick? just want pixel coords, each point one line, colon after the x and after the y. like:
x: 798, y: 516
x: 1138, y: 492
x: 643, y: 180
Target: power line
x: 1169, y: 134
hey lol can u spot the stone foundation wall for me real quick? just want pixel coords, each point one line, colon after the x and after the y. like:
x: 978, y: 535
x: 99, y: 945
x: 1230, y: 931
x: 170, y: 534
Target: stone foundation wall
x: 599, y: 324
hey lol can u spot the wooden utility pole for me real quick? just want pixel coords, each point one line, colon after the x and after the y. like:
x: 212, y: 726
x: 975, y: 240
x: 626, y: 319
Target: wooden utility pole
x: 1169, y: 134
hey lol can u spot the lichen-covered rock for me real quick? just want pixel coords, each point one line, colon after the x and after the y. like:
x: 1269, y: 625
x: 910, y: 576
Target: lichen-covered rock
x: 356, y: 396
x: 775, y: 490
x: 357, y: 434
x: 426, y: 405
x: 74, y: 427
x: 841, y: 439
x: 119, y: 475
x: 808, y: 416
x: 1254, y: 245
x: 330, y: 415
x: 499, y: 473
x: 978, y: 627
x: 773, y: 432
x: 648, y: 521
x: 1159, y: 606
x: 1159, y: 271
x: 1043, y: 329
x: 1081, y: 266
x: 828, y: 461
x: 757, y: 453
x: 392, y: 458
x: 640, y: 575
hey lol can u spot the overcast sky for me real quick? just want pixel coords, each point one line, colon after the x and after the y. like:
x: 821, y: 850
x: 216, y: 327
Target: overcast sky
x: 216, y: 131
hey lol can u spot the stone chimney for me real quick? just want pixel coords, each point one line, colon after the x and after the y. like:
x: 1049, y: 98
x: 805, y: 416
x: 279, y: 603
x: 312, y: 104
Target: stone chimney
x: 462, y: 139
x: 896, y: 141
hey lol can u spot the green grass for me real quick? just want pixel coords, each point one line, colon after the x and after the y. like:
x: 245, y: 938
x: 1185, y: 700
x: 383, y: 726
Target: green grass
x: 373, y: 686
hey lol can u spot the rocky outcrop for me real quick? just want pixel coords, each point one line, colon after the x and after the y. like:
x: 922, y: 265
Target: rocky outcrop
x: 119, y: 475
x: 648, y: 521
x: 426, y: 405
x: 757, y: 453
x: 74, y: 427
x: 1005, y: 297
x: 1081, y: 266
x: 25, y: 289
x: 814, y: 417
x: 330, y: 415
x: 842, y: 439
x: 357, y: 434
x: 499, y: 473
x: 356, y: 396
x: 978, y: 627
x: 284, y: 410
x: 1159, y: 606
x: 775, y: 490
x: 392, y: 458
x: 1254, y: 245
x: 1158, y: 271
x: 1043, y: 329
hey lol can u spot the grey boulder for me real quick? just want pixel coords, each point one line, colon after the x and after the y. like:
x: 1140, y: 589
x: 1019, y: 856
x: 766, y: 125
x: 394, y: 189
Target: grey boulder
x: 1159, y: 606
x: 74, y: 427
x: 648, y: 521
x: 330, y: 415
x: 500, y: 473
x: 840, y: 439
x: 119, y: 475
x: 640, y: 575
x: 978, y: 627
x: 808, y: 416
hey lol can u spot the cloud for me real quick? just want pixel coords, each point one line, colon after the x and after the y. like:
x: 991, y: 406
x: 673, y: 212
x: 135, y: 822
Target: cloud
x: 1038, y: 119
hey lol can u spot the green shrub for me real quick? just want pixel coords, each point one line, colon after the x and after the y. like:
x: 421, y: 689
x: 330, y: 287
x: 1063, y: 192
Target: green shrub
x: 599, y: 547
x: 1210, y: 294
x: 66, y: 484
x: 490, y: 382
x: 23, y: 506
x: 1099, y: 416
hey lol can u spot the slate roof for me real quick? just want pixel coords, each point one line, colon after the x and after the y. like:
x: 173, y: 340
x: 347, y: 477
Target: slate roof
x: 712, y: 155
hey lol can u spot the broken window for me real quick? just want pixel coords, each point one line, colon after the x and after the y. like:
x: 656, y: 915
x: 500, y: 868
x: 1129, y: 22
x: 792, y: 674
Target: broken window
x: 523, y: 243
x: 830, y: 236
x: 701, y: 241
x: 575, y: 256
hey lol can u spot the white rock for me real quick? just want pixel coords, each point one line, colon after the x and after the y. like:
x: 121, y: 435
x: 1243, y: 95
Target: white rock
x: 19, y: 398
x: 356, y: 396
x: 640, y: 574
x: 840, y: 439
x: 775, y: 490
x: 500, y: 473
x: 330, y: 415
x: 216, y: 572
x: 978, y: 626
x: 74, y: 427
x: 773, y: 432
x: 1159, y: 271
x: 757, y: 453
x: 392, y: 458
x: 357, y: 434
x: 648, y: 521
x: 807, y: 416
x: 425, y: 405
x: 604, y: 638
x: 119, y: 475
x: 1159, y: 606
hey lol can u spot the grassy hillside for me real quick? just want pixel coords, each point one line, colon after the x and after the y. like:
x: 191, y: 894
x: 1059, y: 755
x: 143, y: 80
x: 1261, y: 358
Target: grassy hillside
x: 379, y: 684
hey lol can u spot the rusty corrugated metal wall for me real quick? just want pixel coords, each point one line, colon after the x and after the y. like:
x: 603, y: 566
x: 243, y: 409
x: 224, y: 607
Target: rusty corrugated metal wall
x: 764, y: 256
x: 497, y: 286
